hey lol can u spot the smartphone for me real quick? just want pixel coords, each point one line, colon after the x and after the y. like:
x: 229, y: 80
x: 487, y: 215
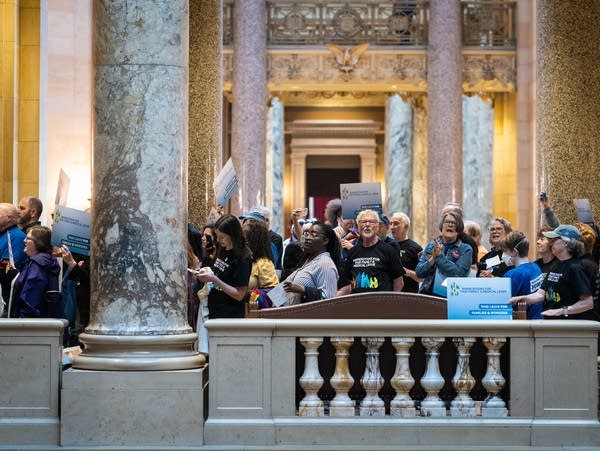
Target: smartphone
x: 193, y: 271
x: 543, y: 197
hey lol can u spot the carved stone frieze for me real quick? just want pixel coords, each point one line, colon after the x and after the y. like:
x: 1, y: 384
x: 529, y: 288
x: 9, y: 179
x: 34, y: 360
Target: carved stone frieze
x: 301, y: 73
x: 384, y: 68
x: 489, y: 72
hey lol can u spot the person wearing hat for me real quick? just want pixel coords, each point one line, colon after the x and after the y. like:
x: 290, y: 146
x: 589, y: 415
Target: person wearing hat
x: 566, y: 291
x: 382, y: 233
x: 252, y: 215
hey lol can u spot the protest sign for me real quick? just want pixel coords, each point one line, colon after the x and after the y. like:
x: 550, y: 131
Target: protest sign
x: 479, y: 298
x: 360, y: 196
x: 71, y: 228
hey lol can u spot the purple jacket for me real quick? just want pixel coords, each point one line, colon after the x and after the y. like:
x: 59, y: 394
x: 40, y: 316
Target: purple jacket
x: 39, y: 275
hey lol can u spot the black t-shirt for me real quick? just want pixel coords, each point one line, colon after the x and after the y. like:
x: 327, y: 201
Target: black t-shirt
x: 547, y: 267
x: 565, y: 284
x: 409, y: 256
x: 221, y: 305
x: 372, y: 268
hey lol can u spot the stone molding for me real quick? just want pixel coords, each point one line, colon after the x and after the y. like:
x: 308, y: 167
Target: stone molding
x: 316, y: 71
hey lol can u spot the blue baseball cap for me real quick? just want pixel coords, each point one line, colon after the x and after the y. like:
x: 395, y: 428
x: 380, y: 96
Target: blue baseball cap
x: 254, y: 215
x: 564, y: 231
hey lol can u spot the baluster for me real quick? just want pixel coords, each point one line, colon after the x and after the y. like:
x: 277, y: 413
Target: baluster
x: 341, y: 405
x: 311, y: 380
x: 372, y: 404
x: 463, y: 405
x: 402, y: 405
x: 493, y: 381
x: 432, y: 381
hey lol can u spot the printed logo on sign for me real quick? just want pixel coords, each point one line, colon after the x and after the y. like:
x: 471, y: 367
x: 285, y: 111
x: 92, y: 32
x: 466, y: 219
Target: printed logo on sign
x: 454, y: 289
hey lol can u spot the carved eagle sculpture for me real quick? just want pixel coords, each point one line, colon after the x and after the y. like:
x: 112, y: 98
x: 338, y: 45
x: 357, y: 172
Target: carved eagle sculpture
x: 347, y: 58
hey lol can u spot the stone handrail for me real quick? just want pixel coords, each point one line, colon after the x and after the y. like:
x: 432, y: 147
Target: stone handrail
x: 550, y: 374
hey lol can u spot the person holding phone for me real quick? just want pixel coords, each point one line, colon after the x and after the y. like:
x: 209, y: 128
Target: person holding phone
x: 230, y: 273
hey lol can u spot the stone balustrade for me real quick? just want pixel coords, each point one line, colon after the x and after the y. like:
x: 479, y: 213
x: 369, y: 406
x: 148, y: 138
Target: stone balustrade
x: 291, y: 382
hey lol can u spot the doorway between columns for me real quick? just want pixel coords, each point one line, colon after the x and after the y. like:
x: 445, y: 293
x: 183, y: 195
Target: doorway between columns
x: 323, y: 178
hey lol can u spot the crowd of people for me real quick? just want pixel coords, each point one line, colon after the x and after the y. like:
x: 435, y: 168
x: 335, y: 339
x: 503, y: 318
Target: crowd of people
x: 373, y: 252
x: 33, y: 284
x: 237, y: 261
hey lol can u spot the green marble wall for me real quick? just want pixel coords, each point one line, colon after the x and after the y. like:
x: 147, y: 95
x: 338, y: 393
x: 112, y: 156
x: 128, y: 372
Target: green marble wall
x: 568, y: 103
x: 206, y: 98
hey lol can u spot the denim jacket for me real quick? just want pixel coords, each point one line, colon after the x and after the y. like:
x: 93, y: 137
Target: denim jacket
x: 454, y: 262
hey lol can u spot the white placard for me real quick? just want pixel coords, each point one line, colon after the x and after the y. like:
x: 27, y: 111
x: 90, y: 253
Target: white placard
x: 226, y: 183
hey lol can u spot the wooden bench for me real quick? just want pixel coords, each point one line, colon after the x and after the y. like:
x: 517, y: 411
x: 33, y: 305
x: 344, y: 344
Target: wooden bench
x: 375, y: 305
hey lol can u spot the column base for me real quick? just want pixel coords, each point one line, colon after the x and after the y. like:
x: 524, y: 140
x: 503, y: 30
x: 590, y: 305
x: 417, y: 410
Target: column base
x: 138, y: 352
x: 134, y: 409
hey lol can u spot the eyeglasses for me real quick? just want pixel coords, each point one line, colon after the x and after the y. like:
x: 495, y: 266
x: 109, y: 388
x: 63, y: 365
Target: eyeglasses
x: 368, y: 221
x: 496, y: 229
x: 312, y: 234
x: 450, y: 222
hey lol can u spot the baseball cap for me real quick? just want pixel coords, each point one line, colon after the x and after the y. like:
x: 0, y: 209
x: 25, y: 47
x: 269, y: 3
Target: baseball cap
x: 383, y: 219
x: 253, y: 214
x: 565, y: 231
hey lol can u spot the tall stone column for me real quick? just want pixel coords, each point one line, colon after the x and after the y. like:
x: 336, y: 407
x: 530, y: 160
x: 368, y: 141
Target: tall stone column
x: 275, y: 163
x: 139, y: 220
x: 568, y: 103
x: 249, y: 110
x: 444, y: 132
x: 206, y: 105
x: 399, y: 154
x: 478, y: 147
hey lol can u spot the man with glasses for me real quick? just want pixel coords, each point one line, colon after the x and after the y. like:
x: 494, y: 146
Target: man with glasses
x: 372, y: 265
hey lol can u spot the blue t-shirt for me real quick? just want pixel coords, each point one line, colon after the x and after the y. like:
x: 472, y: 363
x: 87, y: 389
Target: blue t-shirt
x: 526, y: 279
x: 17, y: 241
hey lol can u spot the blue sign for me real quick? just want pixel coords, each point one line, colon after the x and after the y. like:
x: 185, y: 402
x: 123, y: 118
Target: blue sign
x: 479, y: 298
x: 357, y: 197
x: 71, y: 228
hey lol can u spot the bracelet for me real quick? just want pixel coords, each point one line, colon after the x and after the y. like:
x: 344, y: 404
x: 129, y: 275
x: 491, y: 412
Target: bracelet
x: 565, y: 311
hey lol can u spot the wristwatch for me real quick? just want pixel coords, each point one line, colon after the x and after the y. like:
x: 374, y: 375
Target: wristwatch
x: 565, y: 311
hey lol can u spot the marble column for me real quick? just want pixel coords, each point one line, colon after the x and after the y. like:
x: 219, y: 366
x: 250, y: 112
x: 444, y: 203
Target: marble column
x: 398, y: 155
x: 274, y: 164
x: 444, y: 133
x: 206, y: 105
x: 138, y: 254
x: 568, y: 103
x: 249, y: 110
x: 478, y: 146
x: 418, y: 229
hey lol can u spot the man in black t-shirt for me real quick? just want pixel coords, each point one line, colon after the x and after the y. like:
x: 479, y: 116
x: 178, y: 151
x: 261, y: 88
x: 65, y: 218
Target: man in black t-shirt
x: 409, y: 250
x: 372, y: 265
